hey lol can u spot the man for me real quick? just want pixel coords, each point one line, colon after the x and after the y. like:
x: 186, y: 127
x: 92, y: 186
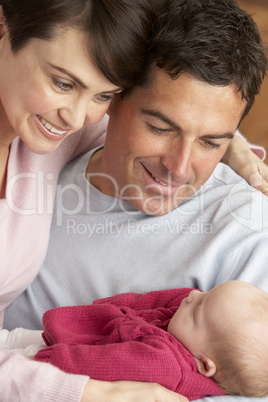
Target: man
x: 154, y: 208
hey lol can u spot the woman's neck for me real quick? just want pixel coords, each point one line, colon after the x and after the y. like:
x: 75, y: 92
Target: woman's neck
x: 7, y: 135
x: 4, y: 154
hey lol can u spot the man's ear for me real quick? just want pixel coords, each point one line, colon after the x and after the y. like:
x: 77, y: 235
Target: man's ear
x: 205, y: 366
x: 3, y: 27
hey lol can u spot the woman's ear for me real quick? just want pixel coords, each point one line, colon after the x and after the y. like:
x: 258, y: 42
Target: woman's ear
x: 205, y: 366
x: 3, y: 27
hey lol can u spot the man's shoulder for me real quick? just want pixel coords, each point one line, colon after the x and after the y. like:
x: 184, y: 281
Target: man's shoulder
x: 225, y: 182
x: 228, y: 198
x: 224, y: 175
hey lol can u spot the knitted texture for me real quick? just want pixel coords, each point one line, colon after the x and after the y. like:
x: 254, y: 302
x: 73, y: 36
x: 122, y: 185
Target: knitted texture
x: 124, y: 337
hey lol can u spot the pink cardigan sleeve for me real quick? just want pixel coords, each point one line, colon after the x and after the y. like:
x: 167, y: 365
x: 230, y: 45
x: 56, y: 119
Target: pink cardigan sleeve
x: 22, y: 379
x: 25, y: 380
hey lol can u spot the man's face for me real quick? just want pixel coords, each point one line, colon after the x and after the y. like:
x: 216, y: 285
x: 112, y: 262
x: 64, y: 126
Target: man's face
x: 164, y: 141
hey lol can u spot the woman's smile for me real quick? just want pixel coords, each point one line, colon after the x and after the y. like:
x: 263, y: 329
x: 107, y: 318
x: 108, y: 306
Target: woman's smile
x: 48, y: 130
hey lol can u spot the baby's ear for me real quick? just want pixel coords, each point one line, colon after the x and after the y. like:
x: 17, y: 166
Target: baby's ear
x: 205, y: 366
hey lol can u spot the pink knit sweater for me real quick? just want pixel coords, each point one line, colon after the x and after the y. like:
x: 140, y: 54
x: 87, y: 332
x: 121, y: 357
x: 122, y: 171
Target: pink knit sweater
x: 124, y: 338
x: 25, y: 217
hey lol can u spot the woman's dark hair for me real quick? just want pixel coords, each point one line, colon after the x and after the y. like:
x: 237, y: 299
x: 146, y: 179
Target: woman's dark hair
x: 117, y: 30
x: 213, y: 40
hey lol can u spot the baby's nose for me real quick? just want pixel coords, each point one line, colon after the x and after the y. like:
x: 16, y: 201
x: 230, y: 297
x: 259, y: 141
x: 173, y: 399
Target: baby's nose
x: 192, y: 295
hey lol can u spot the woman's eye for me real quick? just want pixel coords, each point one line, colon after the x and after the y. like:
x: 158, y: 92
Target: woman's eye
x: 63, y: 86
x: 104, y: 98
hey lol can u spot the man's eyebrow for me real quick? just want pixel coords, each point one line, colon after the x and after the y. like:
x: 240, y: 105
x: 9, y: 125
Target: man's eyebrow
x: 219, y: 136
x: 160, y: 116
x: 164, y: 118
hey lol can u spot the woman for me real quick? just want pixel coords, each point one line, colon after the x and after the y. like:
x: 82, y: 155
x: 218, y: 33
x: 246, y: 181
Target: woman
x: 51, y: 85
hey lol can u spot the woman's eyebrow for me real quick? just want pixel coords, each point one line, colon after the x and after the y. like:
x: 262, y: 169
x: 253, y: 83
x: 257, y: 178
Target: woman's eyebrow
x: 81, y: 83
x: 71, y: 75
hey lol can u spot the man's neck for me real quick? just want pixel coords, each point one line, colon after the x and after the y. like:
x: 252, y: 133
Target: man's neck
x: 95, y: 161
x: 97, y: 176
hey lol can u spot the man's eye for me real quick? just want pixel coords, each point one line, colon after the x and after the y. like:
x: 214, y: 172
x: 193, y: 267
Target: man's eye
x: 212, y: 145
x: 158, y: 130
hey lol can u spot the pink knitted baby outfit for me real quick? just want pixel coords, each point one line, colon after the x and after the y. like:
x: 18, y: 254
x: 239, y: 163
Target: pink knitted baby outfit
x: 124, y: 337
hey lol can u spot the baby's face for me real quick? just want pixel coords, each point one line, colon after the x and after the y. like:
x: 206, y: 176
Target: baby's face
x: 194, y: 322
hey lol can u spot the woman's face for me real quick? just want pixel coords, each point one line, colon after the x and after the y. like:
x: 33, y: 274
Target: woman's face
x: 50, y: 89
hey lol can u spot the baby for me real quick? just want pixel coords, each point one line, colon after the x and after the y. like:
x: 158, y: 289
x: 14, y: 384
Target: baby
x: 193, y: 342
x: 226, y: 331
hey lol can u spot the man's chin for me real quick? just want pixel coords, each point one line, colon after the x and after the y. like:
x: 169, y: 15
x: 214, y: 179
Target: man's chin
x: 154, y: 208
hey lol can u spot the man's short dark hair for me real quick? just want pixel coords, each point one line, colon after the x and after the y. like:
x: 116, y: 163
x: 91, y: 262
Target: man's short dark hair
x: 213, y: 40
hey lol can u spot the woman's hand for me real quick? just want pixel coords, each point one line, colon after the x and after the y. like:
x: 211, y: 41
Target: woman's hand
x: 245, y: 163
x: 128, y: 391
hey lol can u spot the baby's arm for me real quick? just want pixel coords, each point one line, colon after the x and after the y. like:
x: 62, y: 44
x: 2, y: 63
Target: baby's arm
x: 20, y: 340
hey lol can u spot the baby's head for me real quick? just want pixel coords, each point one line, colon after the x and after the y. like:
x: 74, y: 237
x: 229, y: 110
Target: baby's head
x: 226, y: 330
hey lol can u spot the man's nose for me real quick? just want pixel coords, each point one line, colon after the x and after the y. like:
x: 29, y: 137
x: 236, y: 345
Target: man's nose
x: 178, y: 159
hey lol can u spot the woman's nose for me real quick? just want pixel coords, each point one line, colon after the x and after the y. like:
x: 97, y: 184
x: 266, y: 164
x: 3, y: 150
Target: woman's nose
x: 82, y: 114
